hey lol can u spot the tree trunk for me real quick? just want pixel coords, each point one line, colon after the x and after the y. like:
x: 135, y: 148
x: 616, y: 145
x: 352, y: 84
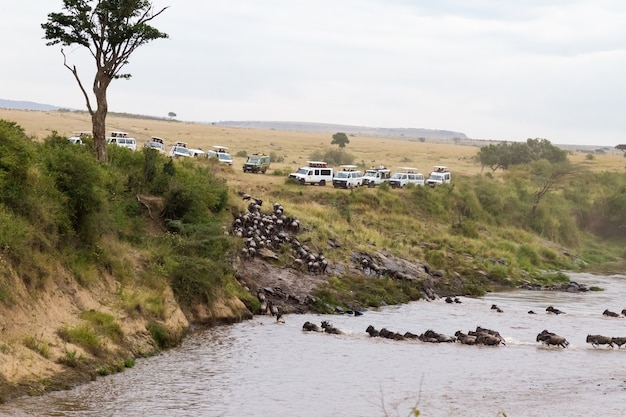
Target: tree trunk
x: 98, y: 117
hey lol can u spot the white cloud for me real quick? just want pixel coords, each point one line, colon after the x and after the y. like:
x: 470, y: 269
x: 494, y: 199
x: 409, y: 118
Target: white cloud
x: 488, y: 68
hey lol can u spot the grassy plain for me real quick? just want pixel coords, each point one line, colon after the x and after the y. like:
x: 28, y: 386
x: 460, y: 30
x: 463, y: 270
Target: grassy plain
x: 295, y: 147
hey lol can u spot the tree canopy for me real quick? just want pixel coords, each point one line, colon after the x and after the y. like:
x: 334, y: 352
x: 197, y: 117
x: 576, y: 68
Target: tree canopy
x: 111, y: 30
x: 505, y: 154
x: 340, y: 139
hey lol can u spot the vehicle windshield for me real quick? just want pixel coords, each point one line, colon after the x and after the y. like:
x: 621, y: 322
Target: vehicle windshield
x: 303, y: 171
x: 370, y: 174
x: 254, y: 159
x: 181, y: 150
x: 398, y: 176
x: 437, y: 177
x: 224, y: 156
x: 155, y: 145
x: 342, y: 174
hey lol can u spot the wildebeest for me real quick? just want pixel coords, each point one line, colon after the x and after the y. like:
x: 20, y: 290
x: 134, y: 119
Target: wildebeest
x: 434, y: 337
x: 372, y: 331
x: 388, y: 334
x: 495, y: 307
x: 552, y: 339
x: 596, y: 340
x: 493, y: 335
x: 465, y: 338
x: 311, y: 327
x: 329, y: 328
x: 553, y: 310
x: 619, y: 341
x: 609, y: 313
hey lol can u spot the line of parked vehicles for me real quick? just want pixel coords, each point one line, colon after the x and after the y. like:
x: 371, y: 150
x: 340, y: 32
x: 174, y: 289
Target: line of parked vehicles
x: 178, y: 149
x: 315, y: 172
x: 350, y: 176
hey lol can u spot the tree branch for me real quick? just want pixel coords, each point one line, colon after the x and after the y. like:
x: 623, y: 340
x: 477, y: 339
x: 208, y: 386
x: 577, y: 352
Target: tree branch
x: 74, y: 71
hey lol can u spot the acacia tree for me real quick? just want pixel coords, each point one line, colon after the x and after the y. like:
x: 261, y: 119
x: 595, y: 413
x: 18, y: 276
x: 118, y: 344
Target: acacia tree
x: 549, y: 177
x: 111, y: 30
x: 340, y: 139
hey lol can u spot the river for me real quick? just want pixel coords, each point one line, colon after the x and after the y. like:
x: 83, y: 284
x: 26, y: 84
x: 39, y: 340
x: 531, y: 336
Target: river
x: 262, y: 368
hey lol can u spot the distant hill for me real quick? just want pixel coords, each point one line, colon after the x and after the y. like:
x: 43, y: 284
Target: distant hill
x: 398, y: 132
x: 334, y: 128
x: 26, y: 105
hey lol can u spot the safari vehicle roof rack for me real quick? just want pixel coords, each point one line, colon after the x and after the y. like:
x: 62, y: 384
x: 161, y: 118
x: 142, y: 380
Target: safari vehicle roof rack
x: 317, y: 164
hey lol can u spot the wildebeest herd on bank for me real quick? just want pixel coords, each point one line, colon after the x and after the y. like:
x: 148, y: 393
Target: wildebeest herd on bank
x: 478, y: 336
x: 271, y: 231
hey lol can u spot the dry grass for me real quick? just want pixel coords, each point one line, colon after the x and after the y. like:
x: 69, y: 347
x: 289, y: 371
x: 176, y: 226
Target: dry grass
x: 294, y: 147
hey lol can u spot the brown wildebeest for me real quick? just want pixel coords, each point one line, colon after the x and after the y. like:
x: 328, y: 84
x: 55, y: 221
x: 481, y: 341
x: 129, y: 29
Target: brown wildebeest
x: 311, y: 327
x: 329, y: 328
x: 596, y: 340
x: 372, y: 331
x: 552, y: 339
x: 609, y: 313
x: 465, y: 338
x: 619, y: 341
x: 553, y: 310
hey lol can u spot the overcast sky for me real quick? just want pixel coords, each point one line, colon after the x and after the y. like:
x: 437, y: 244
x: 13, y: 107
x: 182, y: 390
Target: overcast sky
x: 492, y: 69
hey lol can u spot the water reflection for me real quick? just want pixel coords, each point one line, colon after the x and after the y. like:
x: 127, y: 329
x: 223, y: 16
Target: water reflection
x: 262, y: 368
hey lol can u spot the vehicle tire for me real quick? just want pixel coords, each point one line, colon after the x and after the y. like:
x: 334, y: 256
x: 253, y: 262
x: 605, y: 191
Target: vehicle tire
x: 302, y: 181
x: 322, y: 183
x: 371, y: 184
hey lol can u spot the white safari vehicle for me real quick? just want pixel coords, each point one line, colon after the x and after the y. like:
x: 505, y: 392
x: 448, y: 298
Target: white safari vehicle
x: 122, y: 139
x: 316, y: 172
x: 179, y: 150
x: 348, y: 177
x: 221, y: 154
x: 157, y: 144
x: 376, y: 176
x: 440, y: 175
x: 405, y: 176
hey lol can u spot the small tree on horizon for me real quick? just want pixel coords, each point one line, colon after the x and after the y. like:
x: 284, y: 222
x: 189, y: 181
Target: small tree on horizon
x: 340, y: 139
x: 111, y: 30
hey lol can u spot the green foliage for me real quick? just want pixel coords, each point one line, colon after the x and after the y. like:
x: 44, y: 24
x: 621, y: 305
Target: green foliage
x: 162, y: 336
x: 16, y: 154
x: 79, y: 178
x: 83, y: 335
x: 340, y: 139
x: 506, y: 154
x: 333, y: 157
x: 35, y: 344
x: 354, y: 292
x: 242, y: 154
x: 104, y: 324
x: 72, y: 358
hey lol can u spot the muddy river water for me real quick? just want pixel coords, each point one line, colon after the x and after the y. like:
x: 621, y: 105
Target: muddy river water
x: 261, y: 368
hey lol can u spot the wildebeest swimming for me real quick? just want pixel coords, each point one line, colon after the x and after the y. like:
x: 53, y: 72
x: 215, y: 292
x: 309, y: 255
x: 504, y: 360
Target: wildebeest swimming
x: 329, y: 328
x: 311, y: 327
x: 552, y: 339
x: 553, y: 310
x: 596, y: 340
x: 609, y: 313
x: 619, y: 341
x: 495, y: 307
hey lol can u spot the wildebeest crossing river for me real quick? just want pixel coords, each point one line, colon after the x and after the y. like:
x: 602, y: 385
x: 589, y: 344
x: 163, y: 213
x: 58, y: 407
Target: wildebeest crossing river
x: 260, y: 368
